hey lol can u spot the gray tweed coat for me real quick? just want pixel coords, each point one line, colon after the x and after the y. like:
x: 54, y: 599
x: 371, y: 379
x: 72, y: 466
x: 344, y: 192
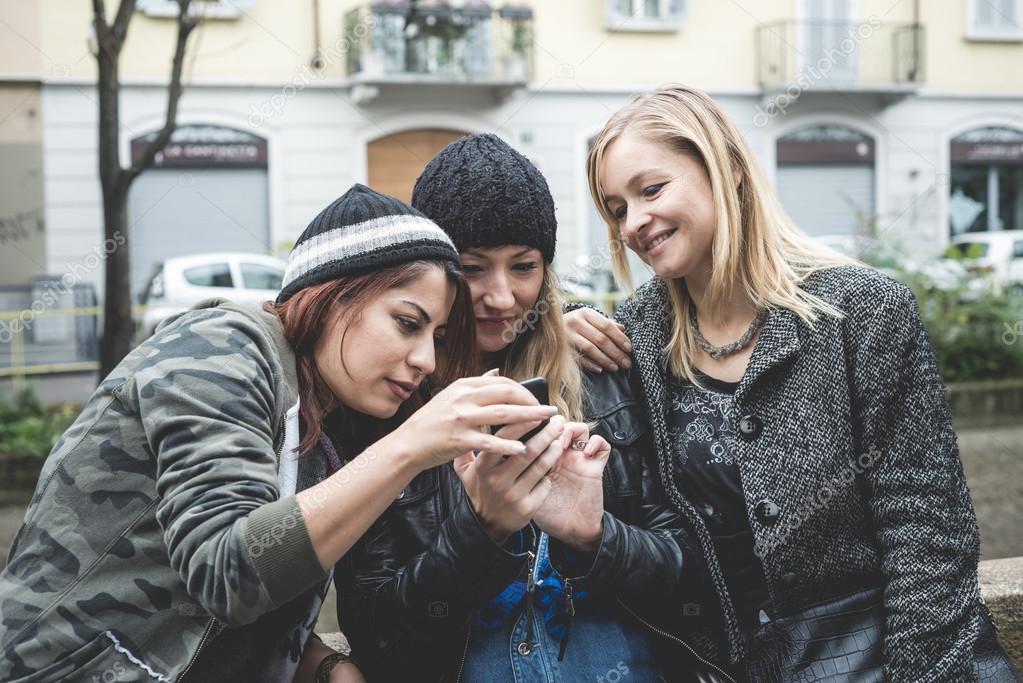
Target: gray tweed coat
x: 849, y: 466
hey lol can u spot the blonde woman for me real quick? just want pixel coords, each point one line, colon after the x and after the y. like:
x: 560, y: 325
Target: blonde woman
x: 800, y: 423
x: 522, y: 569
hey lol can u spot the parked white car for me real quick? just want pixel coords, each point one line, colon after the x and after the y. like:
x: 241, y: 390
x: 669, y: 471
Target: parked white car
x: 997, y: 255
x: 942, y: 273
x: 183, y: 281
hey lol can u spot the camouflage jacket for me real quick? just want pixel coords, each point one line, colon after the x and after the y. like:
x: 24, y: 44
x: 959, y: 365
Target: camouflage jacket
x: 162, y: 515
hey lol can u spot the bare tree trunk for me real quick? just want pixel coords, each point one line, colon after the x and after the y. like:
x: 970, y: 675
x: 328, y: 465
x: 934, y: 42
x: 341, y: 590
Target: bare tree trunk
x: 115, y: 180
x: 118, y: 322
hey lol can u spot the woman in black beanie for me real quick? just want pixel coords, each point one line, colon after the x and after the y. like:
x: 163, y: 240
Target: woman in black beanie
x: 585, y: 586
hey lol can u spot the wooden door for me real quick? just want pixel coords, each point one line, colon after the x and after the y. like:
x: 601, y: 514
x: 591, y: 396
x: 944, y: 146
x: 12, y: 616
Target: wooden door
x: 395, y: 161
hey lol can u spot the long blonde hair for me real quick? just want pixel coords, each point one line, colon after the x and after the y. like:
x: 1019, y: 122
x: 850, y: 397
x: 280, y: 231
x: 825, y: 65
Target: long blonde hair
x: 756, y: 246
x: 541, y: 349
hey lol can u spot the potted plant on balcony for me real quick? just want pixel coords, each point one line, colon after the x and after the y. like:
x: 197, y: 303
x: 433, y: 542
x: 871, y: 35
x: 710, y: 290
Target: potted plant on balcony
x: 433, y: 33
x: 516, y: 59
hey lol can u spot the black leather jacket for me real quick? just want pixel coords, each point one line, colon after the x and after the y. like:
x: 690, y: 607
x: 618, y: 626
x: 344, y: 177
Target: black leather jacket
x: 408, y: 590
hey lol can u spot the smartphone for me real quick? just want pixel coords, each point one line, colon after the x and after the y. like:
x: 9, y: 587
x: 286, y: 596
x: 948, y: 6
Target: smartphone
x: 537, y: 386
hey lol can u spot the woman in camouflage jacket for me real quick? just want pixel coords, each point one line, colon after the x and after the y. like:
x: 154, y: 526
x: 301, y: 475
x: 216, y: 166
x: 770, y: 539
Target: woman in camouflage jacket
x: 176, y: 534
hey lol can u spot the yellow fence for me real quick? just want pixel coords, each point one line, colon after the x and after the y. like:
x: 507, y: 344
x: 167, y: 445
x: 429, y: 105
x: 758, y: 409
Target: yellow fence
x: 19, y: 322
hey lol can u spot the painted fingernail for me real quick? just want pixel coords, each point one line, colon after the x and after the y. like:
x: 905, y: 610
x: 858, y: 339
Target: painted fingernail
x: 628, y: 346
x: 522, y: 449
x: 625, y: 363
x: 553, y: 410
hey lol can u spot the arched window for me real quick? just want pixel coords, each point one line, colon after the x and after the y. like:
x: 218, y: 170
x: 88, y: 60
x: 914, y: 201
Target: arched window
x: 207, y: 191
x: 826, y: 179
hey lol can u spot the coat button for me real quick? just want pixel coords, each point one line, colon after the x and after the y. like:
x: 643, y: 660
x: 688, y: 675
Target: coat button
x: 706, y: 509
x: 750, y: 427
x: 768, y: 511
x: 619, y: 435
x: 524, y: 648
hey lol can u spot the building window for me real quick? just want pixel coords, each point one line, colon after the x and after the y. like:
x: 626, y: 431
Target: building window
x: 208, y: 9
x: 986, y: 188
x: 994, y: 19
x: 645, y: 15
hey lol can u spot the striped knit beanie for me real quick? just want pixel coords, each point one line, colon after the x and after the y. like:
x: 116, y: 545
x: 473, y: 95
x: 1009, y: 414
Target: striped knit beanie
x: 359, y: 232
x: 485, y: 194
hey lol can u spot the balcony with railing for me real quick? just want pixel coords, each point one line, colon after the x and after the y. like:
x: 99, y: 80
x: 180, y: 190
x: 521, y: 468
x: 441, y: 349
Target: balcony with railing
x: 471, y: 44
x: 870, y: 56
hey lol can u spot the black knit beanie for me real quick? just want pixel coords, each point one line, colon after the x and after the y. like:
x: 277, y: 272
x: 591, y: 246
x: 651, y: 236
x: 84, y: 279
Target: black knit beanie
x: 361, y: 231
x: 485, y: 194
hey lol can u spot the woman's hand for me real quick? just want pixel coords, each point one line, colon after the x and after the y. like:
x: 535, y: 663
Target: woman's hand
x: 451, y: 423
x: 601, y: 342
x: 574, y: 510
x: 506, y: 492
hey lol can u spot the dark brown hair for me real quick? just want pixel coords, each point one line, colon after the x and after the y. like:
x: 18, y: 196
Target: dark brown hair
x: 310, y: 312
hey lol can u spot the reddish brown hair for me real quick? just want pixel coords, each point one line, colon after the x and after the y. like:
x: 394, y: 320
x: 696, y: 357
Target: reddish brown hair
x: 310, y: 312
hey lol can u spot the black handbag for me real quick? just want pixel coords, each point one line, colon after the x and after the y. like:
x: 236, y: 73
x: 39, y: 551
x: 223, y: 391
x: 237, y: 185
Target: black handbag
x: 842, y: 640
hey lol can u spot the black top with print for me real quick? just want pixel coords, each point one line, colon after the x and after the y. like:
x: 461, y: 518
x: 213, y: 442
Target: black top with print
x: 701, y: 427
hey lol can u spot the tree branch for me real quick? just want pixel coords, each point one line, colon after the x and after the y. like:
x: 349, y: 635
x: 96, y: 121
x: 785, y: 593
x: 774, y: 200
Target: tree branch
x: 99, y: 11
x: 186, y: 24
x: 120, y: 28
x: 104, y: 37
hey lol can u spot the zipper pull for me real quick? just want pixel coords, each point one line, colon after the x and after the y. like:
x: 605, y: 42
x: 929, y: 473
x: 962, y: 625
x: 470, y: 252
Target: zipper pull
x: 570, y: 612
x: 531, y: 577
x: 530, y: 587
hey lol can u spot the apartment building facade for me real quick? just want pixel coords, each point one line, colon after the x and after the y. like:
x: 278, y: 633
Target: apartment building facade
x: 898, y: 119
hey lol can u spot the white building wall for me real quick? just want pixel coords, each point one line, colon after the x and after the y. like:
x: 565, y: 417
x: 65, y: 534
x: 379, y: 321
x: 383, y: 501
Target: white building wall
x: 317, y: 148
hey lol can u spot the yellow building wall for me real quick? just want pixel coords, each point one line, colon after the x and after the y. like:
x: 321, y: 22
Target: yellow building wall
x: 967, y: 65
x: 714, y: 48
x: 21, y: 51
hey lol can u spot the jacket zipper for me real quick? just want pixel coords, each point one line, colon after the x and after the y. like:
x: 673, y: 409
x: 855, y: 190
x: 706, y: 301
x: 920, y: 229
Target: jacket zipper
x: 465, y: 652
x: 570, y: 612
x: 530, y: 588
x: 675, y: 638
x: 202, y: 642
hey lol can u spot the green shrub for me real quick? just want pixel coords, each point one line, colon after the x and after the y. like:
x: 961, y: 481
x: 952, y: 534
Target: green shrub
x: 977, y: 332
x: 27, y: 427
